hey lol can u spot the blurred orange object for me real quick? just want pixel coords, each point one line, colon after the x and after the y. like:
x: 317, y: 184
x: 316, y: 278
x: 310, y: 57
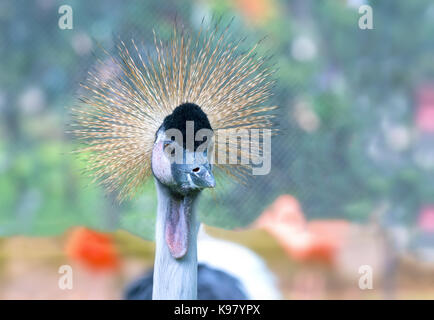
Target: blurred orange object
x: 256, y: 11
x: 95, y: 250
x: 285, y: 210
x: 317, y: 240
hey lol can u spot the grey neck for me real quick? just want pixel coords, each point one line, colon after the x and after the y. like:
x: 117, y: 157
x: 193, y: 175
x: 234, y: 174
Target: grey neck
x: 175, y: 278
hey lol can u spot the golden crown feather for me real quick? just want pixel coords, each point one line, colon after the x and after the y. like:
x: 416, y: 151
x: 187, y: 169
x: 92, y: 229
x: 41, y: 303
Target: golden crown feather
x: 127, y: 96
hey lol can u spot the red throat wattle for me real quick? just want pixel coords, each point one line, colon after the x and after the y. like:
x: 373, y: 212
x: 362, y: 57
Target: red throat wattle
x: 177, y: 228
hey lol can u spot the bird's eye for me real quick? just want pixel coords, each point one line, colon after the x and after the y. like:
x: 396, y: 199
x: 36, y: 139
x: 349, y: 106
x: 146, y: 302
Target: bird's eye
x: 168, y: 149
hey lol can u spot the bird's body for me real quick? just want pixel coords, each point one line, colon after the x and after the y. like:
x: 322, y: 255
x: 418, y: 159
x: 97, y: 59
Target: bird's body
x: 227, y: 271
x: 163, y: 114
x: 255, y: 279
x: 213, y: 284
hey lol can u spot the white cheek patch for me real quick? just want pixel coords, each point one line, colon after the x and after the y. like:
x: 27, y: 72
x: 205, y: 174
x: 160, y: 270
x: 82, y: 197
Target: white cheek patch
x: 160, y: 162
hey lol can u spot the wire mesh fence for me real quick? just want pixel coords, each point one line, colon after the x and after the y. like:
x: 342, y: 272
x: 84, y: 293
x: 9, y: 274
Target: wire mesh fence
x: 355, y: 110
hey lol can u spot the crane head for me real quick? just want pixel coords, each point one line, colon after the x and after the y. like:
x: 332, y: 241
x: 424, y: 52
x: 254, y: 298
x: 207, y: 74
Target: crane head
x: 181, y: 156
x: 181, y: 162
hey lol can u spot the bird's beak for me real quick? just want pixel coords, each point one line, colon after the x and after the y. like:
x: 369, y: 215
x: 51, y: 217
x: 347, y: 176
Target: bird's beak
x: 203, y: 177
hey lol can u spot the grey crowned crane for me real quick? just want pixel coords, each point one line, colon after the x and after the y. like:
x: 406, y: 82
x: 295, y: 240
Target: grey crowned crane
x: 162, y: 114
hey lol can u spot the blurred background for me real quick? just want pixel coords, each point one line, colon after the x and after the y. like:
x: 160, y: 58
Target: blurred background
x: 352, y: 178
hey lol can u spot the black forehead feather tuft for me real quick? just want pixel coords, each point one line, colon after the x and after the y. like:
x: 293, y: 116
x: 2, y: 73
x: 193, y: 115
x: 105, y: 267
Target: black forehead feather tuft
x: 183, y: 113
